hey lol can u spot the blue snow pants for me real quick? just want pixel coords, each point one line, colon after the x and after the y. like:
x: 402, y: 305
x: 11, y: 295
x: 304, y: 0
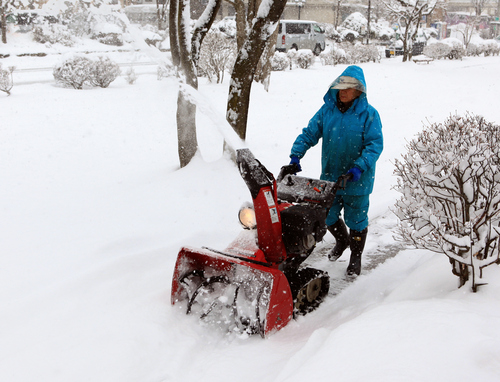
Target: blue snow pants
x: 355, y: 211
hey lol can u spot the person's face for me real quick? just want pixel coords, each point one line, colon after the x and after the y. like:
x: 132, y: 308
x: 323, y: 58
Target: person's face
x: 348, y: 95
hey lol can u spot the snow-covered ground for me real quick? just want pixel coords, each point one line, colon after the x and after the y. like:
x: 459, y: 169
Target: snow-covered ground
x: 94, y: 209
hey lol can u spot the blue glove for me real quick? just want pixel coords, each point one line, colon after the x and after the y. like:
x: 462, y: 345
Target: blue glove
x: 356, y: 174
x: 296, y: 160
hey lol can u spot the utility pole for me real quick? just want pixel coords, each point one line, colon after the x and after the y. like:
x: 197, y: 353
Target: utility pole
x: 368, y: 26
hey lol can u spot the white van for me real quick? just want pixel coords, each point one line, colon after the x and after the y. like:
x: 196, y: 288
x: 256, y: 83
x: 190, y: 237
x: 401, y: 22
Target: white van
x: 300, y: 34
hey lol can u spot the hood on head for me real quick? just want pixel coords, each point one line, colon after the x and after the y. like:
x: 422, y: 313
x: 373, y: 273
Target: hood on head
x: 351, y: 78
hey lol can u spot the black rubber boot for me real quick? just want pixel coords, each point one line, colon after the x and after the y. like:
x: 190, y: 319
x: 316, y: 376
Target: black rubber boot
x: 339, y: 232
x: 358, y: 240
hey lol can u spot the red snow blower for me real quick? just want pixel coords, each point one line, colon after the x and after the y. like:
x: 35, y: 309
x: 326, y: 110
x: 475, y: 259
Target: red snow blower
x: 257, y: 284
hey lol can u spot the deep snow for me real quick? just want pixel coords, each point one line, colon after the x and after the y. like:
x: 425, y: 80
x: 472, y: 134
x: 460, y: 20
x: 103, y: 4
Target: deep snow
x: 94, y: 210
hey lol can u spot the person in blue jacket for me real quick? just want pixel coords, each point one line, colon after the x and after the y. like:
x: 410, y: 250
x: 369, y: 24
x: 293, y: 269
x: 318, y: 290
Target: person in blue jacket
x: 352, y: 141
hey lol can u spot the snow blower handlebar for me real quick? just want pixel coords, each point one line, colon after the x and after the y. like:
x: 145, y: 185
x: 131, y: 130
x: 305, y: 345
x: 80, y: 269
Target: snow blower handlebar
x: 298, y: 189
x: 290, y: 169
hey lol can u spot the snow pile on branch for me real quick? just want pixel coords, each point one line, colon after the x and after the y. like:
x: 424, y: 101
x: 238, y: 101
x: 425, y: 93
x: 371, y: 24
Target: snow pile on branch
x: 450, y: 185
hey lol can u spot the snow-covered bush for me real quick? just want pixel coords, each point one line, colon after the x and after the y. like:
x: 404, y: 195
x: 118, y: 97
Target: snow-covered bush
x: 334, y: 56
x: 130, y: 75
x: 474, y: 49
x: 104, y: 72
x: 107, y: 29
x: 6, y: 80
x: 53, y: 34
x: 74, y: 72
x: 437, y: 50
x: 457, y: 48
x: 216, y: 56
x: 450, y: 185
x: 95, y: 19
x: 78, y: 71
x: 360, y: 53
x: 491, y: 48
x: 347, y: 53
x: 279, y: 61
x: 355, y: 22
x: 164, y: 71
x: 152, y: 36
x: 305, y: 58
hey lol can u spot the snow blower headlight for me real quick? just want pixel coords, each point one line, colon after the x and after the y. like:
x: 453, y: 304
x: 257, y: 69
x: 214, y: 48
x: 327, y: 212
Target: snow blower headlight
x: 247, y: 217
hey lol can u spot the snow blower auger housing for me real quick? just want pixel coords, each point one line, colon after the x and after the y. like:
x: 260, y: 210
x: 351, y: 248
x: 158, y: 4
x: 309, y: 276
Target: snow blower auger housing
x: 257, y: 284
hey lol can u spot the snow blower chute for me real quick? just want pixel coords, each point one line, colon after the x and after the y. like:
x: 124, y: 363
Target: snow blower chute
x: 257, y: 284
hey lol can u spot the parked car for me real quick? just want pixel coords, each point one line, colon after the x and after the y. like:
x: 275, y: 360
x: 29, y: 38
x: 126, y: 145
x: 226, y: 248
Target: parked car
x: 300, y: 34
x: 396, y: 49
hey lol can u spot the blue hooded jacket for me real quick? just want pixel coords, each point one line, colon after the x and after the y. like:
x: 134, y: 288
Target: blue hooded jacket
x: 350, y: 139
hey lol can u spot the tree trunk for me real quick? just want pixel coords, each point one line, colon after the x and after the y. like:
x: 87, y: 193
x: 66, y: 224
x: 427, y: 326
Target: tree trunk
x: 186, y: 111
x: 241, y: 23
x: 245, y: 66
x: 187, y: 142
x: 173, y: 33
x: 3, y: 21
x: 185, y: 53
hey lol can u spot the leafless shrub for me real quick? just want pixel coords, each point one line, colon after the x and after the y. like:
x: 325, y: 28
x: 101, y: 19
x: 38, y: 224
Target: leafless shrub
x: 6, y: 80
x: 216, y: 56
x: 104, y: 72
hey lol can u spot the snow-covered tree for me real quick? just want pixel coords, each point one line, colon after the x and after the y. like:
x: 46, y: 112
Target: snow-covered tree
x: 185, y: 49
x: 450, y: 185
x: 408, y: 14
